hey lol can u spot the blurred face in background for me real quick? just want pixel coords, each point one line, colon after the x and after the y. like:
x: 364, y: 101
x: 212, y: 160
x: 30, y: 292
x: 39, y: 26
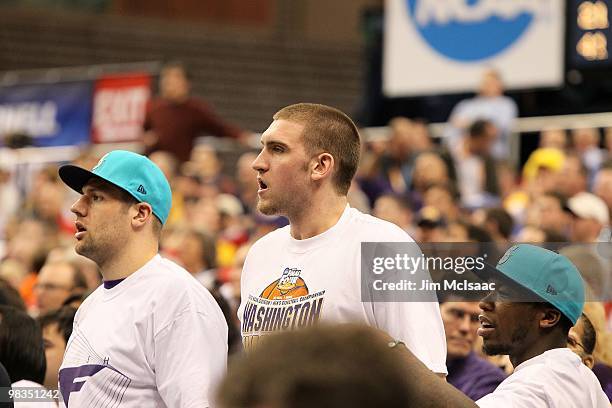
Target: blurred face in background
x: 603, y: 186
x: 54, y: 285
x: 585, y: 138
x: 551, y: 215
x: 572, y: 180
x: 555, y: 138
x: 429, y: 169
x: 55, y: 346
x: 491, y: 84
x: 460, y: 325
x: 173, y: 84
x: 388, y: 209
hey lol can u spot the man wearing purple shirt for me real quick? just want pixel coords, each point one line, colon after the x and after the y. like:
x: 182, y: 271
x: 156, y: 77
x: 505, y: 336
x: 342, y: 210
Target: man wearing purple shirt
x: 468, y: 372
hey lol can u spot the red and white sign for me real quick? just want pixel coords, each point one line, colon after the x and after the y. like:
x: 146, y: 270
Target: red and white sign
x: 119, y: 107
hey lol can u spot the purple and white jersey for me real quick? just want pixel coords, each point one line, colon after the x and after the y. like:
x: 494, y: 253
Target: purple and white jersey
x: 156, y: 339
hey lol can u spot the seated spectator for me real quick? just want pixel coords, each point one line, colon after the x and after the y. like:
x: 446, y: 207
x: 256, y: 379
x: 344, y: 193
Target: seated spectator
x: 585, y: 142
x: 394, y: 208
x: 9, y: 296
x: 57, y: 281
x: 549, y: 212
x: 499, y: 224
x: 21, y: 346
x: 339, y: 366
x: 590, y: 216
x: 490, y: 104
x: 469, y: 373
x: 445, y: 198
x: 429, y: 169
x: 574, y: 176
x: 56, y: 330
x: 476, y: 173
x: 581, y: 340
x: 5, y: 385
x: 553, y: 137
x: 592, y: 268
x: 602, y: 186
x: 431, y: 226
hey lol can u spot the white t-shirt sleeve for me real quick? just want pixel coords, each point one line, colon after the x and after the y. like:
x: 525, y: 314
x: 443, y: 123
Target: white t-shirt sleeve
x: 419, y: 326
x: 522, y: 395
x: 186, y: 370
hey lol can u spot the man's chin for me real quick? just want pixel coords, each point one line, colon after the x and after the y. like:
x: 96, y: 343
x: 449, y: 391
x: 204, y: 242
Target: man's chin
x: 494, y: 349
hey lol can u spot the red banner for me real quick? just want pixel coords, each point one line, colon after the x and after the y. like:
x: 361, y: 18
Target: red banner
x: 119, y: 107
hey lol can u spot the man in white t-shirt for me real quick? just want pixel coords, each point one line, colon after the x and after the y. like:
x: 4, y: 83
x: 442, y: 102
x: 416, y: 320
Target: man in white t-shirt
x: 539, y: 295
x: 151, y: 335
x: 310, y: 270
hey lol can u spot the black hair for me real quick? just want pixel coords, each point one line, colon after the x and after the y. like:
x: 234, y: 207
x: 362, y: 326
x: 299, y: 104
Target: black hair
x: 478, y: 128
x: 589, y: 338
x: 64, y: 317
x: 503, y: 219
x: 9, y: 296
x: 21, y: 346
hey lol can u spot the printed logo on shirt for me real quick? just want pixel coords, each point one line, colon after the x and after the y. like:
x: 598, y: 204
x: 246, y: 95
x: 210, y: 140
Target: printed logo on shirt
x: 83, y: 365
x: 289, y: 286
x: 285, y: 304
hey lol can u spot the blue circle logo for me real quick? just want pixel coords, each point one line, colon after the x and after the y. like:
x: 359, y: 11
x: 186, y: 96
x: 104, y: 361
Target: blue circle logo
x: 470, y: 30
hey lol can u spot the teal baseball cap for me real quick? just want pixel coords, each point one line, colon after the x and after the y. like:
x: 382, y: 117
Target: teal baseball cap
x: 549, y: 276
x: 131, y: 172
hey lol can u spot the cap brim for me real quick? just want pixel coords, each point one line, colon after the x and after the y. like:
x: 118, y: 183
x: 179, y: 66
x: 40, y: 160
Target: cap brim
x: 75, y: 177
x: 522, y: 293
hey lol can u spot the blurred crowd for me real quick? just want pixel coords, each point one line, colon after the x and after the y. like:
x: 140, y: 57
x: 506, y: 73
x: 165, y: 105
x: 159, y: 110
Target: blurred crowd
x: 461, y: 189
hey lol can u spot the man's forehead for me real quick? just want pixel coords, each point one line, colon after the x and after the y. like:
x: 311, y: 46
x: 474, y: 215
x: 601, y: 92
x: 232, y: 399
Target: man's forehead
x: 102, y: 185
x: 280, y: 128
x: 468, y: 307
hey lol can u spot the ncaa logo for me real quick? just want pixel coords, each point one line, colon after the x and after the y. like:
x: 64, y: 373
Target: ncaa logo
x: 472, y: 30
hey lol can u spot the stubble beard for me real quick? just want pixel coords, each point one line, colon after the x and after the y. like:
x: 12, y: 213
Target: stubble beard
x: 518, y: 337
x: 92, y: 251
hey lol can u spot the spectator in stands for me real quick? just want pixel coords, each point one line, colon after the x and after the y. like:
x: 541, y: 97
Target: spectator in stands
x: 431, y: 225
x: 608, y: 141
x: 246, y: 189
x: 196, y: 251
x: 394, y: 208
x: 581, y: 340
x: 574, y: 176
x: 470, y: 374
x: 397, y: 162
x: 429, y: 169
x: 21, y: 346
x: 9, y: 197
x: 5, y: 387
x: 490, y: 104
x: 476, y: 173
x: 592, y: 268
x: 602, y: 186
x: 590, y: 216
x: 445, y: 198
x: 534, y: 335
x: 585, y: 142
x: 553, y: 137
x: 550, y: 213
x: 57, y: 281
x: 9, y: 296
x: 174, y: 120
x: 499, y: 224
x: 339, y: 366
x: 56, y: 330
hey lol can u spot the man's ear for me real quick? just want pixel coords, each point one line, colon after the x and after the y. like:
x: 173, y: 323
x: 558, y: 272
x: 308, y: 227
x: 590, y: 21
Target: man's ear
x: 588, y: 360
x: 141, y: 212
x: 322, y: 166
x: 549, y: 317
